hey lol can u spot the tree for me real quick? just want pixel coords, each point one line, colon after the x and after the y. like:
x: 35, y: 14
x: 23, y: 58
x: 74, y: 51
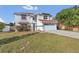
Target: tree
x: 2, y: 25
x: 69, y: 17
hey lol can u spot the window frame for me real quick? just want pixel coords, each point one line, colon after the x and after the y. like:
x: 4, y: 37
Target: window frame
x: 45, y: 17
x: 23, y: 17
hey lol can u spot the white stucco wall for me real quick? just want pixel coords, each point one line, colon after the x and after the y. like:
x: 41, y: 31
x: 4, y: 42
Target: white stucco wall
x: 18, y: 19
x: 30, y: 19
x: 39, y: 24
x: 50, y: 18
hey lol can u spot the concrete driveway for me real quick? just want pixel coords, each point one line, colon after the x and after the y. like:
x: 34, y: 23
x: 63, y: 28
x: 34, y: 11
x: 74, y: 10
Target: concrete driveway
x: 66, y: 33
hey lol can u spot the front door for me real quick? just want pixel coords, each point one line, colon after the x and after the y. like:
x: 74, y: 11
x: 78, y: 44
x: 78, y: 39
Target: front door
x: 33, y: 26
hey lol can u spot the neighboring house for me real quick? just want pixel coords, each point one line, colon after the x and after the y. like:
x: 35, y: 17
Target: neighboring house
x: 38, y: 22
x: 6, y: 28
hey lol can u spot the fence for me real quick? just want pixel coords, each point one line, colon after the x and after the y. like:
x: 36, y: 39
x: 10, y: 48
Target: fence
x: 71, y: 28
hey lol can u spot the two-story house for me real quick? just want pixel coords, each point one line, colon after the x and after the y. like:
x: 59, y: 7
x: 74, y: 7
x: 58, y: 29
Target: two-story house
x: 24, y: 17
x: 40, y: 21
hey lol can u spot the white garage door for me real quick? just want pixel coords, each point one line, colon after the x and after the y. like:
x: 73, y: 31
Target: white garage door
x: 50, y: 27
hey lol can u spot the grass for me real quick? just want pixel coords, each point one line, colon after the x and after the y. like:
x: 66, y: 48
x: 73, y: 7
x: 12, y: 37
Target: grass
x: 11, y: 34
x: 15, y: 38
x: 42, y: 42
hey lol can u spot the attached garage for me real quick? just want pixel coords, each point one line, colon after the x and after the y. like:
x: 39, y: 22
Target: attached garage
x: 47, y: 25
x: 50, y: 27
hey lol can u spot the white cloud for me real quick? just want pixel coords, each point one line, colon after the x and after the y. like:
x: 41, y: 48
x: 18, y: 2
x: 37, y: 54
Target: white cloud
x: 29, y: 7
x: 1, y: 20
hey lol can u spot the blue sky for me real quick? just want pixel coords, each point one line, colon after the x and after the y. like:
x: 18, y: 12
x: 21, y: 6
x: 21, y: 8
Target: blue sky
x: 6, y: 11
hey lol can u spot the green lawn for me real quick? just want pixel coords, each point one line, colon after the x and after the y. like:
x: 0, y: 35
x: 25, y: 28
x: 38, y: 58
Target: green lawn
x: 42, y: 42
x: 11, y: 34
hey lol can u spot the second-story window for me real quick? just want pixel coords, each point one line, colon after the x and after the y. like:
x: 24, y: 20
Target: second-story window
x: 45, y: 17
x: 23, y: 17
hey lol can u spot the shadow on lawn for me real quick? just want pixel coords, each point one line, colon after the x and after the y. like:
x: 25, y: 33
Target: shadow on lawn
x: 15, y: 38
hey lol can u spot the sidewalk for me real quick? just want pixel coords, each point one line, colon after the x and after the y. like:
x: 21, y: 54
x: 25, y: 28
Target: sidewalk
x: 66, y: 33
